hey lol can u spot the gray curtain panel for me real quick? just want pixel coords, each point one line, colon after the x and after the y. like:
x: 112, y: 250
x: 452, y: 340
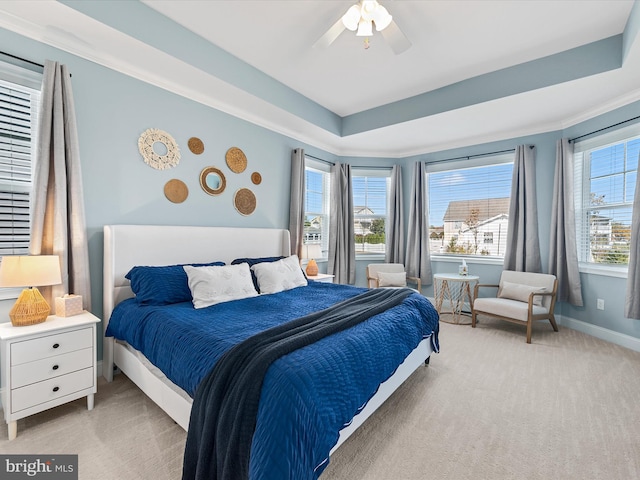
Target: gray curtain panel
x: 418, y: 259
x: 296, y: 203
x: 58, y: 220
x: 395, y: 229
x: 523, y: 246
x: 632, y: 300
x: 342, y: 249
x: 563, y: 256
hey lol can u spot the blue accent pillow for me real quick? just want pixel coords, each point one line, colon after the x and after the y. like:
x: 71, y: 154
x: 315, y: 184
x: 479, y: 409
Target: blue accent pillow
x: 252, y: 262
x: 162, y: 285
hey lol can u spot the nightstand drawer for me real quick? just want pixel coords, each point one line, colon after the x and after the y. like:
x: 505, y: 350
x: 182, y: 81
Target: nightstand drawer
x: 32, y: 372
x: 42, y: 392
x: 38, y: 348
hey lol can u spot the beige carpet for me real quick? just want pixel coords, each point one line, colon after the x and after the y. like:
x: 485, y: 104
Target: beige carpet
x: 488, y: 407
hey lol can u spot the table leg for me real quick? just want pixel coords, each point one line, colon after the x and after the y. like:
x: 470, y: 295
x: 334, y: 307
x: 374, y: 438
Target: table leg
x: 12, y: 429
x: 90, y: 401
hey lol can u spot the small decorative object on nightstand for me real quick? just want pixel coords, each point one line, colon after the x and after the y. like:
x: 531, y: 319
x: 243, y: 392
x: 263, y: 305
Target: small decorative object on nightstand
x: 46, y: 365
x: 311, y: 252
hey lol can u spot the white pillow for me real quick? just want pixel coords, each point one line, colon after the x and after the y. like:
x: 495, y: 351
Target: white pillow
x: 516, y: 291
x: 211, y: 285
x: 386, y: 279
x: 284, y: 274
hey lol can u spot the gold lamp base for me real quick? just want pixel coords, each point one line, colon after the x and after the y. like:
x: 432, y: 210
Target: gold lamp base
x: 312, y: 268
x: 30, y: 308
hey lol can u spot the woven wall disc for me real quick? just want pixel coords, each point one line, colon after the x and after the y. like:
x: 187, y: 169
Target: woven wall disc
x: 176, y: 191
x: 160, y: 161
x: 245, y: 201
x: 195, y: 145
x: 236, y: 160
x: 256, y: 178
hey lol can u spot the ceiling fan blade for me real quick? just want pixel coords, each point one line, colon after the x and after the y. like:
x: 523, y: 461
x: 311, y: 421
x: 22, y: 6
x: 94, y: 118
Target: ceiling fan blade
x: 395, y: 38
x: 329, y: 37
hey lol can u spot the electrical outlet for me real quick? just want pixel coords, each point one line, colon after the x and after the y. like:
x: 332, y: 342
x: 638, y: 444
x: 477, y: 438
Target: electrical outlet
x: 600, y: 304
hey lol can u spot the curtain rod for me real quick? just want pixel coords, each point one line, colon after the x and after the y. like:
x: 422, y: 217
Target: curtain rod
x: 377, y: 167
x: 22, y: 59
x: 467, y: 157
x: 571, y: 140
x: 319, y: 159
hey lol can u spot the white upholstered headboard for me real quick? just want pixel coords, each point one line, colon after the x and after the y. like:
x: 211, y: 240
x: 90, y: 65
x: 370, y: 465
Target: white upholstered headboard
x: 126, y: 246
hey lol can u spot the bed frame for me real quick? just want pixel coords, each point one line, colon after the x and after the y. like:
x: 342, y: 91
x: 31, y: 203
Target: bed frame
x: 126, y: 246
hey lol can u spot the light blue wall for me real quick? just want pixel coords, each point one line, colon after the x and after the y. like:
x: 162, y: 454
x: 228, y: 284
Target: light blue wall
x: 113, y: 110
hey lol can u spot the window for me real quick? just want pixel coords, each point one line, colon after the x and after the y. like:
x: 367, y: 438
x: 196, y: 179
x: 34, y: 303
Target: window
x: 370, y: 205
x: 469, y: 206
x: 19, y: 100
x: 316, y: 208
x: 606, y: 168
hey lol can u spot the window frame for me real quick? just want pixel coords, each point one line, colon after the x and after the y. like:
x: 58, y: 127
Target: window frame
x: 462, y: 164
x: 324, y: 169
x: 370, y: 172
x: 26, y: 80
x: 582, y: 195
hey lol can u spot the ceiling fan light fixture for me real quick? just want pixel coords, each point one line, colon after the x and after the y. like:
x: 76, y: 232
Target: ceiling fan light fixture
x: 381, y: 18
x: 351, y: 18
x: 365, y: 28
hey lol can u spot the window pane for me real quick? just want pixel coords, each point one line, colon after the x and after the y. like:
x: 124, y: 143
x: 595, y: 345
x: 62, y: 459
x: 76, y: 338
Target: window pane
x: 608, y: 175
x: 316, y: 225
x: 469, y: 210
x: 370, y: 213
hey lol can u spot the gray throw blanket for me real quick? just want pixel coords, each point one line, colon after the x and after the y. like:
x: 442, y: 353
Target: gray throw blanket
x: 225, y: 406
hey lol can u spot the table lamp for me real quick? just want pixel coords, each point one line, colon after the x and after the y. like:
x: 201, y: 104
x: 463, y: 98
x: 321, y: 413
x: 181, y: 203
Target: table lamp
x: 311, y: 252
x: 31, y: 272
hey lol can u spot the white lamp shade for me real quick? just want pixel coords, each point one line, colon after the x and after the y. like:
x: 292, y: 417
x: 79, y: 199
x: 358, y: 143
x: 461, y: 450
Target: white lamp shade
x: 351, y: 18
x: 311, y: 251
x: 30, y: 271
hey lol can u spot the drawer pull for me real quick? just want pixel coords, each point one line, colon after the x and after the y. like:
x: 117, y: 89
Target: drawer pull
x: 55, y: 367
x: 55, y: 389
x: 56, y: 345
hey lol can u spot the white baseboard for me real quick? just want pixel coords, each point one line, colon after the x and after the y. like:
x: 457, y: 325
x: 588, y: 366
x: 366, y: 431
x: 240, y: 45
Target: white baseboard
x: 621, y: 339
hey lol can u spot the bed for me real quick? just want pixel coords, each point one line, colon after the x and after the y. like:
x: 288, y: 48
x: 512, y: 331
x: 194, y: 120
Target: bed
x: 126, y: 246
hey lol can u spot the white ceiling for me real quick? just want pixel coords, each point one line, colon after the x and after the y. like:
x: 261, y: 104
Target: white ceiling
x: 451, y: 41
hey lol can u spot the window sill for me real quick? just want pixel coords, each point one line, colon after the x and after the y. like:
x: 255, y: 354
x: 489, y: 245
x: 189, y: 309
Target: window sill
x: 10, y: 293
x: 477, y: 260
x: 604, y: 270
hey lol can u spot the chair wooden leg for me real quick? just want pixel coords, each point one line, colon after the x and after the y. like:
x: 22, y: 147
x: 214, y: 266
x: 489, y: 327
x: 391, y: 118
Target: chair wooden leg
x: 529, y: 328
x: 552, y: 319
x: 473, y: 318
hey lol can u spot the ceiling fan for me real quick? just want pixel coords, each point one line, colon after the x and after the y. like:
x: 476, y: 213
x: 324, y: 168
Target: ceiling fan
x: 360, y: 18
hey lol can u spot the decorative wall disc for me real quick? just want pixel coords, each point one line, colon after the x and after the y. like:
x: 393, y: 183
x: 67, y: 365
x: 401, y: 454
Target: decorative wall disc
x: 256, y: 178
x: 236, y: 160
x: 163, y: 156
x: 212, y: 180
x: 195, y: 145
x: 245, y: 201
x: 176, y: 191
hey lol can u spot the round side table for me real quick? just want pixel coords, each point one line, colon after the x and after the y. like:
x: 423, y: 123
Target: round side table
x: 456, y: 289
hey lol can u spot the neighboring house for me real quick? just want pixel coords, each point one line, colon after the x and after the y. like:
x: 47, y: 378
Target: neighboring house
x: 478, y: 227
x: 362, y: 225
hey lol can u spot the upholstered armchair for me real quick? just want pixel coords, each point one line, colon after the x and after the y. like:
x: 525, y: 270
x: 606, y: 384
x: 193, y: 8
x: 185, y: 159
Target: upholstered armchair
x: 521, y: 297
x: 389, y: 275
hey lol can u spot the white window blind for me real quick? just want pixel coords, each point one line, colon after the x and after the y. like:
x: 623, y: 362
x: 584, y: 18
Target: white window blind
x: 606, y: 168
x: 370, y: 203
x: 469, y: 206
x: 316, y: 210
x: 18, y: 120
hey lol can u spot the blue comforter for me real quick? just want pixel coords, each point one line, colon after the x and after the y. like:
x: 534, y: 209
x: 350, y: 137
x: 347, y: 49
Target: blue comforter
x: 307, y: 395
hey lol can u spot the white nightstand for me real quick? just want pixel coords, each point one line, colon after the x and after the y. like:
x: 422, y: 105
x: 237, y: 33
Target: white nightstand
x: 46, y: 365
x: 322, y: 277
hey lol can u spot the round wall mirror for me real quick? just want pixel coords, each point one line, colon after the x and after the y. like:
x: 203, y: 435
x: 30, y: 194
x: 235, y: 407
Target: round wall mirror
x: 212, y: 180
